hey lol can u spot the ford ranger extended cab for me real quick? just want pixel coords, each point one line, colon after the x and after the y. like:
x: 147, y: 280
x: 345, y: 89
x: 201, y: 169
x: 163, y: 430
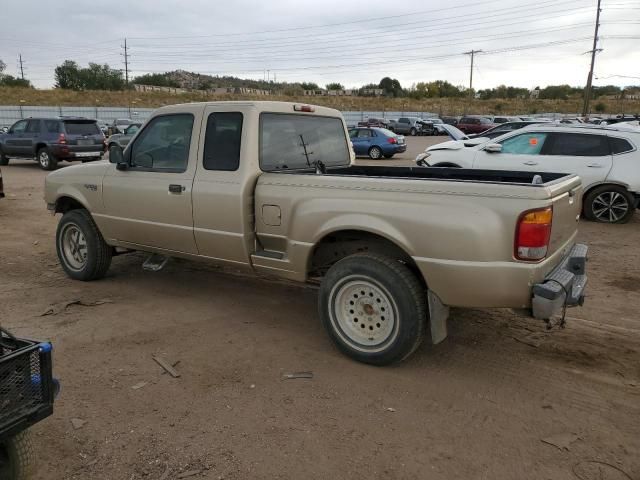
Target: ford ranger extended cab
x: 272, y: 187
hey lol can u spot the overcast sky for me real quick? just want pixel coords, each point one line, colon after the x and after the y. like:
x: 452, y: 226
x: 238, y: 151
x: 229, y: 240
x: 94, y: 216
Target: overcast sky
x: 526, y: 43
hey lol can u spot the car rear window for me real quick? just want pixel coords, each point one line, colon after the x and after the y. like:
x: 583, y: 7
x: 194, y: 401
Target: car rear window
x: 291, y: 141
x: 81, y: 128
x: 470, y: 121
x: 619, y: 145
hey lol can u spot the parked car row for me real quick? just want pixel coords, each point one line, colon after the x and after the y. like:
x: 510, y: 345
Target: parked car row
x: 605, y: 157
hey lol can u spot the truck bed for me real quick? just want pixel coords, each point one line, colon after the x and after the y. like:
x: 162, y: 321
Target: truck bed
x: 437, y: 173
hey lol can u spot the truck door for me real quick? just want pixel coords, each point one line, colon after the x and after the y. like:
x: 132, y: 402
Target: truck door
x: 30, y: 137
x: 224, y: 186
x: 149, y: 203
x: 14, y: 138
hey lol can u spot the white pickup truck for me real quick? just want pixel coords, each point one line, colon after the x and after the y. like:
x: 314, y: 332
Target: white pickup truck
x: 272, y: 187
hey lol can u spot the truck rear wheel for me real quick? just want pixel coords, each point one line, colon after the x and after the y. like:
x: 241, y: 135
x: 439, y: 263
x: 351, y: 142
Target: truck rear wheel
x: 82, y: 251
x: 373, y: 308
x: 16, y: 457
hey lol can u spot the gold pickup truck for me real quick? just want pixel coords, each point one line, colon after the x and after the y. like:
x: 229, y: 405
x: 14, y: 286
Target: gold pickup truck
x: 272, y: 187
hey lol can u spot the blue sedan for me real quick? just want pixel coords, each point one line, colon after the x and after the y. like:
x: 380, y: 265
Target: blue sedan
x: 376, y: 142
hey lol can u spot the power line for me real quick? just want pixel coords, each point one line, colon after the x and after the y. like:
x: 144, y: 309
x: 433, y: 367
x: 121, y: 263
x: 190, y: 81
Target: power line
x: 587, y: 90
x: 433, y: 25
x: 126, y: 63
x: 21, y: 66
x: 472, y: 53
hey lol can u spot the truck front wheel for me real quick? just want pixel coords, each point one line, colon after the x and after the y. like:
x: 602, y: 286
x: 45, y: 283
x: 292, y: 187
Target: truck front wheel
x: 16, y: 457
x: 82, y: 251
x: 373, y: 308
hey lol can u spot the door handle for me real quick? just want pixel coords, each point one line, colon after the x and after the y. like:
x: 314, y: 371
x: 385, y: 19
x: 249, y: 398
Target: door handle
x: 175, y: 188
x: 594, y: 165
x: 530, y: 162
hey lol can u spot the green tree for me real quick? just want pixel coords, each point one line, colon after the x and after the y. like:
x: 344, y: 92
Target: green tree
x: 309, y: 86
x: 10, y: 80
x: 334, y: 86
x: 600, y: 107
x: 391, y: 87
x: 95, y: 77
x: 155, y: 79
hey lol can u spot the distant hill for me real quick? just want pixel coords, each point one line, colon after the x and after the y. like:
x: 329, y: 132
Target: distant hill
x: 199, y: 81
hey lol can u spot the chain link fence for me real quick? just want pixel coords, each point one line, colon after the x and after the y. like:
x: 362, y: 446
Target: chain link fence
x: 10, y: 114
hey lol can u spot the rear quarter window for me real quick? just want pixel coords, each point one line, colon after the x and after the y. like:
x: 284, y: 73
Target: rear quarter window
x: 293, y: 141
x: 578, y: 145
x: 619, y: 145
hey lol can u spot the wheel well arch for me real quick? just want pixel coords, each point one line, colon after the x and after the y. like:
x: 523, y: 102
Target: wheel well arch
x: 446, y: 165
x: 40, y: 146
x: 339, y: 244
x: 66, y: 203
x: 592, y: 187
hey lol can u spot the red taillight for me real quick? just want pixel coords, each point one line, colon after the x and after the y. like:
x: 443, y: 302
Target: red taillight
x: 62, y: 139
x: 392, y: 140
x: 303, y: 108
x: 533, y: 233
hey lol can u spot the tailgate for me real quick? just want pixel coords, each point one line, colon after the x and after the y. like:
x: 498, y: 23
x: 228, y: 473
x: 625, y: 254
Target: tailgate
x: 566, y: 199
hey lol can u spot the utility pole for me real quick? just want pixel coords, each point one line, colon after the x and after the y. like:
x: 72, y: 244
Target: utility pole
x: 472, y: 53
x: 126, y: 63
x: 21, y: 66
x: 587, y: 90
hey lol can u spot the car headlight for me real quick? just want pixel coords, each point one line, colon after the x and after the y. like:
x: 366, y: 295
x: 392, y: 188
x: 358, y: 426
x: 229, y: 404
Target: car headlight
x: 422, y: 159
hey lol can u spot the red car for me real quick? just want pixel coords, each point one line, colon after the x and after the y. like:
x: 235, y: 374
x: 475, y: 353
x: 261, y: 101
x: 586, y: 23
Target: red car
x: 475, y: 124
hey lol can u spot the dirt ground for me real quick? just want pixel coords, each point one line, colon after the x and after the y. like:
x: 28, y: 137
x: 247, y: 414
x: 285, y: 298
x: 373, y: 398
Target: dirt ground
x: 488, y: 403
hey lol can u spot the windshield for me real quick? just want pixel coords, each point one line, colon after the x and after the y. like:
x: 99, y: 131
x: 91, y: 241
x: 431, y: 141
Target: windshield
x: 81, y: 128
x: 291, y: 141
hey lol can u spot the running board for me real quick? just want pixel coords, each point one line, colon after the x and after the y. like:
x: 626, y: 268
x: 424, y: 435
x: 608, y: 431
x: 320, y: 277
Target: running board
x: 155, y: 262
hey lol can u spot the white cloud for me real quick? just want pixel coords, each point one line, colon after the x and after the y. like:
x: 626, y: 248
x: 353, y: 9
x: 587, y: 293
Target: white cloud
x: 413, y: 40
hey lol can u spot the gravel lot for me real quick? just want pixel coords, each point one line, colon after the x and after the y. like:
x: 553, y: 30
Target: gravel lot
x: 480, y: 405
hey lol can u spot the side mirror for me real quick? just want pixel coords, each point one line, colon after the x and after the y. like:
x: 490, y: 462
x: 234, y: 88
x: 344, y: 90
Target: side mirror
x: 493, y: 148
x: 116, y: 156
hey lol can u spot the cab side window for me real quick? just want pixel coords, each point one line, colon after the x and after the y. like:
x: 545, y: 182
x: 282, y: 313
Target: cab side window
x: 222, y: 141
x: 164, y: 144
x: 19, y: 127
x: 524, y: 144
x: 33, y: 126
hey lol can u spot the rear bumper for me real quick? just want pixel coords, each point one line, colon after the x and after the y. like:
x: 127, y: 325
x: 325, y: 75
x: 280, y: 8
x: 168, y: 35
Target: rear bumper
x: 74, y: 152
x: 501, y: 284
x: 565, y: 285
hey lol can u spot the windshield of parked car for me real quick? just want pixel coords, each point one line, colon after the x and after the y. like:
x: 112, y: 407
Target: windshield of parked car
x: 292, y: 141
x: 79, y: 127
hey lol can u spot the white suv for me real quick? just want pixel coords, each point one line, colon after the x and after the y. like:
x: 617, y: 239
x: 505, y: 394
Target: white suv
x: 606, y: 158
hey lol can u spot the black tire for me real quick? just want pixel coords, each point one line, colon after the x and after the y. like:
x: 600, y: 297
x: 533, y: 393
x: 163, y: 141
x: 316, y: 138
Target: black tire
x: 46, y: 160
x: 391, y: 284
x: 609, y: 204
x: 375, y: 153
x: 4, y: 160
x: 88, y: 263
x: 413, y: 132
x: 389, y: 155
x: 17, y: 457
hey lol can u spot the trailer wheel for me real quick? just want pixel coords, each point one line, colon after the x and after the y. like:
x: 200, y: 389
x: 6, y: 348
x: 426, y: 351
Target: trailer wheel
x: 373, y: 308
x: 16, y: 457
